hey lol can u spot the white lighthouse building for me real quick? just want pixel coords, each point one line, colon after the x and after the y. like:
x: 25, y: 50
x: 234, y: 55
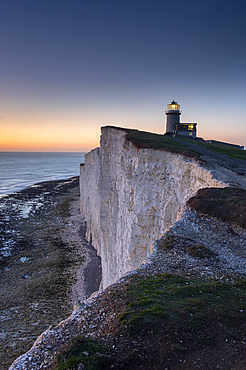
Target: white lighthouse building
x: 173, y: 125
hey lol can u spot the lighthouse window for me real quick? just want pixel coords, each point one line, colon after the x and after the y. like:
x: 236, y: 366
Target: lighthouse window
x: 173, y: 107
x: 190, y: 127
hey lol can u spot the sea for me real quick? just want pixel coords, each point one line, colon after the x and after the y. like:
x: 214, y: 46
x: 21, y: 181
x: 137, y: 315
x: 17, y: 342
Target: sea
x: 19, y: 170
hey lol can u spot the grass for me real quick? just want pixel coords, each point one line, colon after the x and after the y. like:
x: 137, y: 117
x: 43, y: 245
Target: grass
x: 165, y: 318
x: 188, y: 305
x: 92, y: 354
x: 230, y: 152
x: 143, y: 139
x: 189, y: 246
x: 227, y: 204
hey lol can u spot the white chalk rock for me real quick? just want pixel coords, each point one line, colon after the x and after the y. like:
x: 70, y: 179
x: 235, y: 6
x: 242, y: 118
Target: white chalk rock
x: 130, y: 196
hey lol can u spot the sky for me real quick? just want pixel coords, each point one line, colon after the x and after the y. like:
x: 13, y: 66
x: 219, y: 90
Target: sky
x: 69, y: 67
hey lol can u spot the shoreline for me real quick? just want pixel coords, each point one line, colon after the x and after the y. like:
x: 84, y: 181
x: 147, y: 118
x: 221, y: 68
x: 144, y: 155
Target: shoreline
x: 43, y: 270
x: 183, y: 269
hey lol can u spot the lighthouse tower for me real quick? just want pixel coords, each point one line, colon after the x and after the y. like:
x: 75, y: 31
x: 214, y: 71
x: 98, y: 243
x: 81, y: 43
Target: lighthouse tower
x: 174, y: 127
x: 173, y: 116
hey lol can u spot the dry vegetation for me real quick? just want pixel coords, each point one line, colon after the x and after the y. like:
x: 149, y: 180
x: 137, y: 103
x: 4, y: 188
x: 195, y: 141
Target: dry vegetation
x: 227, y: 204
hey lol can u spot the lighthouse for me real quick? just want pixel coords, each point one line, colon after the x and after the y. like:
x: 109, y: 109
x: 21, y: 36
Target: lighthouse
x: 173, y: 125
x: 173, y: 116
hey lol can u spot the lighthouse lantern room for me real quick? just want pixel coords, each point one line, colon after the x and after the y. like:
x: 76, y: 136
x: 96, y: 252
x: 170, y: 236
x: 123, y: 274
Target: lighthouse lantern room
x: 173, y: 113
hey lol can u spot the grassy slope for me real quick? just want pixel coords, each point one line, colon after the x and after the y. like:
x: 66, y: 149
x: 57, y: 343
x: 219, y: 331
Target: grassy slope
x: 143, y: 139
x: 227, y: 204
x: 188, y: 305
x: 174, y: 322
x: 230, y: 152
x: 168, y: 322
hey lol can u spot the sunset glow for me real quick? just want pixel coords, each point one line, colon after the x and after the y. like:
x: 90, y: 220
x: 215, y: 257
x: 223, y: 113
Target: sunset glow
x: 47, y: 137
x: 67, y: 72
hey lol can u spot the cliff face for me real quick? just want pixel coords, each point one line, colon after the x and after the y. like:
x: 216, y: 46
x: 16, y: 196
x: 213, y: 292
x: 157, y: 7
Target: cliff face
x: 130, y: 196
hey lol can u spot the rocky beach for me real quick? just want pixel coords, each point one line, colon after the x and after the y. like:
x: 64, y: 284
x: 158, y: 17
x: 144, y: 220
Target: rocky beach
x: 46, y: 265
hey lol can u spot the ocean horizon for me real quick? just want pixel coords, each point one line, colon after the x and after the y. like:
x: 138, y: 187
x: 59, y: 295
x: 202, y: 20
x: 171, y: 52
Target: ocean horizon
x: 18, y: 170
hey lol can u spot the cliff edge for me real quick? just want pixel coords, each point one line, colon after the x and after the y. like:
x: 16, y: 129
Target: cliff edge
x: 168, y: 219
x: 132, y: 191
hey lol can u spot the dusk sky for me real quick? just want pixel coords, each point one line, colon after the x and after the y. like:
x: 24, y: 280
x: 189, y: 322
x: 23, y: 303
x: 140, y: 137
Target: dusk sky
x: 70, y: 67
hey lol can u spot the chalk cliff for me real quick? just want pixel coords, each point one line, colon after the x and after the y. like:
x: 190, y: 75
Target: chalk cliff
x: 130, y: 196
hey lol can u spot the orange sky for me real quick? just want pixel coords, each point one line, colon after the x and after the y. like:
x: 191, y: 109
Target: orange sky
x: 29, y: 136
x: 67, y: 70
x: 74, y: 136
x: 71, y: 124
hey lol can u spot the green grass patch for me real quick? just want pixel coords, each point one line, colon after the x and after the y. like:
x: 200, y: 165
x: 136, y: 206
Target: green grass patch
x: 92, y: 354
x: 192, y: 305
x: 230, y: 152
x: 143, y: 139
